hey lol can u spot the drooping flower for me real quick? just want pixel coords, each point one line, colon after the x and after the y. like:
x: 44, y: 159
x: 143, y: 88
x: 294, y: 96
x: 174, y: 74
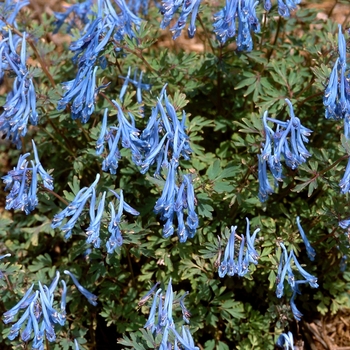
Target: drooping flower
x: 309, y: 250
x: 286, y: 341
x: 39, y: 314
x: 92, y: 298
x: 162, y: 309
x: 288, y: 143
x: 22, y: 182
x: 20, y: 106
x: 233, y: 263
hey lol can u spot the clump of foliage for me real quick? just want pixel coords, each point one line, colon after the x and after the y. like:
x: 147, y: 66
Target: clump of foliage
x: 195, y: 198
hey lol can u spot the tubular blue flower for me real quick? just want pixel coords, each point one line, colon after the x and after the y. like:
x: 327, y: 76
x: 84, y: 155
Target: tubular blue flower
x: 341, y: 47
x: 286, y: 341
x: 92, y: 299
x: 46, y: 178
x: 74, y: 209
x: 231, y: 265
x: 281, y: 275
x: 264, y: 185
x: 38, y: 309
x: 253, y: 254
x: 331, y: 92
x: 116, y: 239
x: 100, y: 141
x: 192, y: 218
x: 296, y: 313
x: 308, y: 277
x: 186, y: 339
x: 309, y: 250
x: 20, y: 105
x: 150, y: 324
x: 76, y: 345
x: 188, y: 7
x: 148, y: 295
x: 185, y: 313
x: 93, y: 231
x: 126, y: 206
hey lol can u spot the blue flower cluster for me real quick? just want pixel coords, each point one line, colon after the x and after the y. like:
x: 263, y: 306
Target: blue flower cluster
x: 40, y: 315
x: 287, y: 141
x: 165, y: 322
x: 225, y: 25
x: 76, y: 207
x: 240, y: 266
x: 336, y: 97
x: 189, y: 7
x: 244, y: 12
x: 81, y: 92
x: 20, y: 105
x: 286, y: 341
x: 163, y: 141
x: 22, y: 183
x: 285, y: 267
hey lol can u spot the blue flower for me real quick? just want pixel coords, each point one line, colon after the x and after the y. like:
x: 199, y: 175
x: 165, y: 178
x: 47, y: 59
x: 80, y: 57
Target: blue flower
x: 188, y: 7
x: 284, y: 9
x: 296, y: 313
x: 100, y: 141
x: 309, y: 250
x: 148, y: 295
x: 225, y: 23
x: 192, y: 217
x: 92, y: 299
x: 39, y: 315
x: 20, y: 105
x: 286, y: 341
x: 45, y: 177
x: 150, y: 324
x: 93, y: 231
x: 74, y: 209
x: 312, y: 280
x: 265, y: 188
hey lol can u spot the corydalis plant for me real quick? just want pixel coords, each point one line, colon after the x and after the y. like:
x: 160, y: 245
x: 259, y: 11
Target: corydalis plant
x: 20, y: 105
x: 336, y: 97
x: 96, y: 211
x: 40, y: 316
x: 286, y: 142
x: 285, y: 267
x: 22, y: 183
x: 162, y: 310
x: 238, y: 263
